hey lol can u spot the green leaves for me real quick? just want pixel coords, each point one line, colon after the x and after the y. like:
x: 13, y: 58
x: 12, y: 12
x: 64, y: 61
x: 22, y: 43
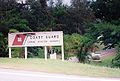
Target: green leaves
x: 3, y: 45
x: 106, y: 32
x: 110, y: 37
x: 14, y: 21
x: 80, y: 45
x: 107, y: 10
x: 13, y: 31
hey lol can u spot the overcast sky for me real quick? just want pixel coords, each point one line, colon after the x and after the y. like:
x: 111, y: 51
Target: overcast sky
x: 66, y: 2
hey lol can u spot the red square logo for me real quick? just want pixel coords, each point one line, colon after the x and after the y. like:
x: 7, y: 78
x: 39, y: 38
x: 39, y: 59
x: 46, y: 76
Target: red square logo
x: 19, y: 39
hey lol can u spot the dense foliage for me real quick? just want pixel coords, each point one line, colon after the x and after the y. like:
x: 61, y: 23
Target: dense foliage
x: 78, y: 45
x: 107, y: 28
x: 107, y: 34
x: 107, y: 10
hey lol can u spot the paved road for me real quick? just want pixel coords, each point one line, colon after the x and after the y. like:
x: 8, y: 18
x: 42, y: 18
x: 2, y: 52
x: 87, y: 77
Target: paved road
x: 15, y: 75
x: 108, y: 51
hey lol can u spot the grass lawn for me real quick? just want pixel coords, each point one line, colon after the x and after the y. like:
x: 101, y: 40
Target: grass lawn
x: 57, y: 66
x: 106, y: 61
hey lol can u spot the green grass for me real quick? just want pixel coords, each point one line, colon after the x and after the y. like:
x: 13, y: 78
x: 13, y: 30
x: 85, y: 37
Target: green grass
x: 106, y: 61
x: 57, y: 66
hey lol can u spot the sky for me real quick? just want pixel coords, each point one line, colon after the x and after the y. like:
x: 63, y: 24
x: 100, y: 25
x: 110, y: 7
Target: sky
x: 66, y: 2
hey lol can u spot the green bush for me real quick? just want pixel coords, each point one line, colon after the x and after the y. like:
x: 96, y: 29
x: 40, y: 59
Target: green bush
x: 36, y: 52
x: 116, y: 60
x: 96, y: 57
x: 77, y: 45
x: 41, y: 53
x: 3, y: 45
x: 18, y: 52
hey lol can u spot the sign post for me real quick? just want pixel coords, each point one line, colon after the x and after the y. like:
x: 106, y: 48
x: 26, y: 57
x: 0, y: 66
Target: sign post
x: 45, y: 52
x: 62, y: 52
x: 31, y: 39
x: 62, y: 48
x: 25, y: 52
x: 10, y: 52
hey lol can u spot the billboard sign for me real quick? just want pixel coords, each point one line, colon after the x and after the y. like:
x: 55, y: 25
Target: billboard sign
x: 28, y: 39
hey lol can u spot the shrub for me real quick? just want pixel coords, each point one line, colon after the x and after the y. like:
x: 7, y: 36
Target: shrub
x: 116, y: 60
x: 96, y: 57
x: 78, y: 45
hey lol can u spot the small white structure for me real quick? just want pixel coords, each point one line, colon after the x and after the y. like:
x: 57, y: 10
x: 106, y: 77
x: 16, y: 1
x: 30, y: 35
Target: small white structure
x: 96, y: 54
x: 53, y: 56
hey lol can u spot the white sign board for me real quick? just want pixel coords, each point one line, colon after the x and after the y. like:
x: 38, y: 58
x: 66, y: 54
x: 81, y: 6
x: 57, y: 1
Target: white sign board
x: 53, y: 38
x: 28, y: 39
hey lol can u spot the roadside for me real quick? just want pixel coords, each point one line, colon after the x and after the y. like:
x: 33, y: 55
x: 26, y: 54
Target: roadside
x: 15, y: 75
x: 59, y: 67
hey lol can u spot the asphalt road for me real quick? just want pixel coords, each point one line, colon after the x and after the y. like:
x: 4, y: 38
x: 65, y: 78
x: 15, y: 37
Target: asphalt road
x: 17, y: 75
x: 108, y: 51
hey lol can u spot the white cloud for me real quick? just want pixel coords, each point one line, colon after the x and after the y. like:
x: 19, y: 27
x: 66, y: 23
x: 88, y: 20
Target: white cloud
x: 67, y: 2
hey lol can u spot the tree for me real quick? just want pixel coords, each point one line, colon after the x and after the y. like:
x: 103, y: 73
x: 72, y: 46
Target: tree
x: 109, y: 35
x: 39, y: 17
x: 11, y: 18
x: 13, y: 21
x: 68, y: 45
x: 107, y: 31
x: 116, y: 60
x: 51, y: 3
x: 59, y: 2
x: 81, y: 44
x: 3, y: 46
x: 77, y: 45
x: 60, y: 18
x: 106, y: 9
x: 79, y: 15
x: 71, y: 19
